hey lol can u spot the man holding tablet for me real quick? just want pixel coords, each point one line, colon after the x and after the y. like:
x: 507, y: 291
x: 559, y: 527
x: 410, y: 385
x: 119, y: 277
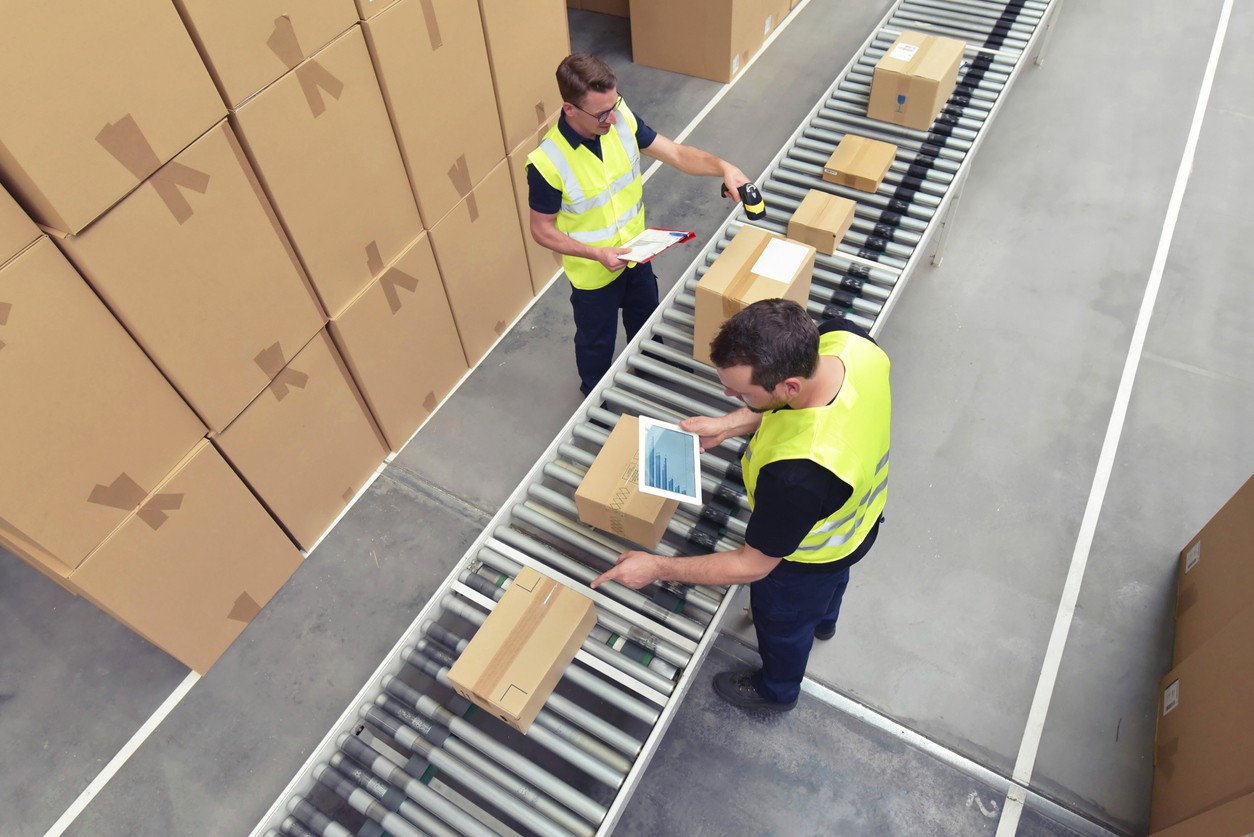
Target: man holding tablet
x: 818, y: 404
x: 587, y: 198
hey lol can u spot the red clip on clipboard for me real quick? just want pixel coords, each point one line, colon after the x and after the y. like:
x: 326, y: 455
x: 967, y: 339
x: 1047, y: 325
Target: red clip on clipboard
x: 653, y: 242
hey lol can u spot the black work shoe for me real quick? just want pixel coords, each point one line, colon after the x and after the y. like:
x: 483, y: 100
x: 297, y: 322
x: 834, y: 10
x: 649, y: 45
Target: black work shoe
x: 821, y: 632
x: 736, y: 687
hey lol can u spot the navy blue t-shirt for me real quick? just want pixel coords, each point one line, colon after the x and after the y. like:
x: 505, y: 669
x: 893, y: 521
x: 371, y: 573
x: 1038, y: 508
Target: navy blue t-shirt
x: 793, y: 494
x: 546, y: 200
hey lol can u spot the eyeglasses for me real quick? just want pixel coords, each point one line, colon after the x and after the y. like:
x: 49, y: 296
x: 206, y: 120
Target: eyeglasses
x: 603, y: 115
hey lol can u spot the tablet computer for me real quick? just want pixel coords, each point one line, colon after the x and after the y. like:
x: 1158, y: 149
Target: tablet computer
x: 670, y: 461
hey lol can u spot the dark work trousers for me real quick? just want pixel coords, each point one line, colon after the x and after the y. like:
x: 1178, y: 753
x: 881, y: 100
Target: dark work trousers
x: 596, y: 319
x: 787, y: 606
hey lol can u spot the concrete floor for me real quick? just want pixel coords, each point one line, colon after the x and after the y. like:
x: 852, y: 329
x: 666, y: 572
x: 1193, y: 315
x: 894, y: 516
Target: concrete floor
x: 1007, y: 361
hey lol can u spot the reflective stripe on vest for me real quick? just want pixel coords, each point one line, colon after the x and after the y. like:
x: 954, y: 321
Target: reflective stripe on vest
x: 849, y: 437
x: 602, y: 200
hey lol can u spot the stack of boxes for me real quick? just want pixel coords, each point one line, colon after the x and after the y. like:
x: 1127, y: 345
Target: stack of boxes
x: 298, y: 228
x: 1204, y: 746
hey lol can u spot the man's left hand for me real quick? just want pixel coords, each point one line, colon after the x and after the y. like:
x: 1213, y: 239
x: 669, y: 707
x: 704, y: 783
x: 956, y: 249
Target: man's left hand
x: 633, y: 569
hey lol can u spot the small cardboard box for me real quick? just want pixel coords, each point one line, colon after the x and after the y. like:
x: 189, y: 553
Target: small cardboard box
x: 322, y: 145
x: 1232, y: 819
x: 90, y: 426
x: 17, y: 230
x: 860, y: 163
x: 248, y: 45
x: 307, y: 444
x: 96, y: 97
x: 610, y: 498
x: 914, y: 79
x: 479, y: 249
x: 448, y: 132
x: 195, y: 265
x: 821, y: 221
x: 1204, y: 745
x: 192, y: 566
x: 543, y: 262
x: 399, y: 341
x: 712, y: 39
x: 756, y: 265
x: 515, y: 659
x: 526, y: 42
x: 1216, y: 574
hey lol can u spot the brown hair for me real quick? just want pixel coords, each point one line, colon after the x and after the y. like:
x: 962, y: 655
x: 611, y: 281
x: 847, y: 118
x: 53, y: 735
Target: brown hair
x: 581, y: 72
x: 774, y: 337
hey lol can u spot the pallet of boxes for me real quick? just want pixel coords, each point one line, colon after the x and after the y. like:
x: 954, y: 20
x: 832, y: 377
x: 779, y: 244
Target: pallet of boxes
x: 1204, y: 744
x: 239, y: 269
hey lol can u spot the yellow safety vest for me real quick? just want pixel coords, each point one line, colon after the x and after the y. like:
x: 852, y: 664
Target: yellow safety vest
x: 602, y: 200
x: 848, y: 437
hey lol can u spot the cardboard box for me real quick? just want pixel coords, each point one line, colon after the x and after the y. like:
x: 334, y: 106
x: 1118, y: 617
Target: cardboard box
x: 96, y: 97
x: 448, y: 132
x: 195, y: 265
x: 307, y: 445
x: 17, y: 230
x: 609, y: 497
x: 618, y: 8
x: 479, y: 249
x: 1232, y: 819
x: 1204, y: 746
x: 860, y: 163
x: 914, y: 79
x: 90, y: 426
x: 194, y: 564
x: 543, y: 262
x: 513, y: 662
x: 399, y: 341
x: 821, y: 220
x: 740, y: 276
x: 248, y: 45
x: 526, y: 42
x: 1215, y: 574
x: 322, y: 144
x: 711, y: 39
x: 367, y: 9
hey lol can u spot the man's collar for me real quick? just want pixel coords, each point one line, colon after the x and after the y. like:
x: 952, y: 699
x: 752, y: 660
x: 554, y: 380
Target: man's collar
x: 572, y: 136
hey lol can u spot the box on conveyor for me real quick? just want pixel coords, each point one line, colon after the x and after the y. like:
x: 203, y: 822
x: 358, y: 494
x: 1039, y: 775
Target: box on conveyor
x: 914, y: 79
x: 610, y: 498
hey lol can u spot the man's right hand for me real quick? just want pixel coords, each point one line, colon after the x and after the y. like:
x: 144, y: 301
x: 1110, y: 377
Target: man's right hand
x: 611, y: 257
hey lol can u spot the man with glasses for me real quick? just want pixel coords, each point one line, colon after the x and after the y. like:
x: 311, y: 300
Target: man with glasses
x: 587, y: 199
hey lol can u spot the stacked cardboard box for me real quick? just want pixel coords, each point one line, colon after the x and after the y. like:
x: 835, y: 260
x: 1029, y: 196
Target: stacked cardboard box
x: 712, y: 39
x: 1204, y: 747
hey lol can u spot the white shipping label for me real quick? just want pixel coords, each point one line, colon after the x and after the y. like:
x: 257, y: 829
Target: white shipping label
x: 903, y: 52
x: 1193, y: 556
x: 1171, y: 697
x: 780, y: 260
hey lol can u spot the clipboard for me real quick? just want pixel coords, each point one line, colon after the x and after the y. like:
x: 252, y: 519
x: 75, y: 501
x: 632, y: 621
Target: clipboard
x: 653, y: 242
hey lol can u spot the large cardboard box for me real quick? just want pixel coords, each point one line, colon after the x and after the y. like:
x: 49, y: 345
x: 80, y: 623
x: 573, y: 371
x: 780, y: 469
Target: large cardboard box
x: 96, y: 97
x: 307, y: 445
x: 90, y: 425
x: 756, y: 265
x: 192, y: 566
x: 859, y: 163
x: 322, y: 144
x: 248, y: 45
x: 195, y: 265
x: 526, y: 42
x: 400, y: 342
x: 448, y: 132
x: 479, y: 249
x: 1216, y: 574
x: 821, y: 220
x: 17, y: 230
x: 914, y: 79
x: 1204, y: 746
x: 712, y: 39
x: 1233, y: 819
x: 543, y: 263
x: 513, y: 662
x: 609, y: 497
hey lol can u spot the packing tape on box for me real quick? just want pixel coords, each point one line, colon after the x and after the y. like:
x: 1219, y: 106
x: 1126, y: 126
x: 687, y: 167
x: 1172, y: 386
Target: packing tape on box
x: 1165, y: 756
x: 281, y: 376
x: 155, y: 511
x: 733, y: 302
x: 430, y: 402
x: 1187, y: 598
x: 312, y: 76
x: 433, y: 24
x: 245, y: 609
x: 459, y: 176
x: 391, y: 279
x: 284, y: 43
x: 518, y: 638
x: 126, y: 494
x: 5, y: 309
x: 542, y: 113
x: 127, y: 144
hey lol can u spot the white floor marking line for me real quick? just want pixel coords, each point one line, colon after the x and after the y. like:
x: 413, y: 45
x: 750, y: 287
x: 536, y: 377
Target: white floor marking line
x: 1026, y: 761
x: 128, y: 750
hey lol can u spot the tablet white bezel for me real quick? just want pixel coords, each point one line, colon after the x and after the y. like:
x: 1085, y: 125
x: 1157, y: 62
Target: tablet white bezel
x: 645, y: 424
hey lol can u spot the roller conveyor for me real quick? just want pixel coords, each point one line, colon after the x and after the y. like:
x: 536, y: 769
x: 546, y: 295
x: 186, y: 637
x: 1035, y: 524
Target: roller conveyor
x: 411, y: 757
